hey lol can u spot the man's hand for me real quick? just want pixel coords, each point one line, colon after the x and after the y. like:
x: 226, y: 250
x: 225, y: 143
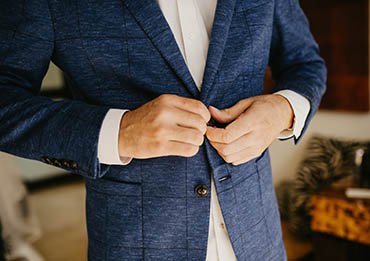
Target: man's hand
x: 255, y: 124
x: 167, y: 125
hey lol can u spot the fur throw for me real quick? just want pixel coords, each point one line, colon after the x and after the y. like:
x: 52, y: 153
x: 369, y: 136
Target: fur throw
x: 326, y: 161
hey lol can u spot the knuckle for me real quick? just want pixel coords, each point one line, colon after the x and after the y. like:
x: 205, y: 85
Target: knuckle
x: 257, y: 153
x: 191, y: 151
x: 195, y: 150
x: 200, y: 139
x: 200, y: 106
x: 227, y: 111
x: 223, y: 150
x: 260, y: 152
x: 162, y: 114
x: 202, y: 125
x: 227, y: 159
x: 158, y: 132
x: 158, y: 146
x: 164, y: 98
x: 226, y: 137
x: 203, y: 129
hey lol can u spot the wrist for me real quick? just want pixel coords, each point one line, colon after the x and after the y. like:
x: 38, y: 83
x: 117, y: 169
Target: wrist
x: 122, y: 136
x: 287, y: 112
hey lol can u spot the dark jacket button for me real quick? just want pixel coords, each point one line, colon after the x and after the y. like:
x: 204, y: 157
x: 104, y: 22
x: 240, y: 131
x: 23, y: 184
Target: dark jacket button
x: 47, y: 160
x: 57, y: 163
x: 201, y: 190
x: 66, y: 164
x: 73, y: 164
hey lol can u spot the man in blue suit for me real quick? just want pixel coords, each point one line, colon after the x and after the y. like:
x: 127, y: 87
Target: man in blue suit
x: 168, y: 123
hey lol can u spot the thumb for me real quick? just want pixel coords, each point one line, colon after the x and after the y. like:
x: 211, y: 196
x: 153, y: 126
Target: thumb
x: 223, y: 116
x: 229, y: 114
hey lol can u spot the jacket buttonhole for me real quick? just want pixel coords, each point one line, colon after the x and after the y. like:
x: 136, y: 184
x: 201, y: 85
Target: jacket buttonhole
x: 224, y: 178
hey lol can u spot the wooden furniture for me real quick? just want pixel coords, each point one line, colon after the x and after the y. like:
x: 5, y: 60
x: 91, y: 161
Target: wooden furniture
x: 342, y: 226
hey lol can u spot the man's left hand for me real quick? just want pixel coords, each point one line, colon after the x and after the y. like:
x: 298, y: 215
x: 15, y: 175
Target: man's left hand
x: 254, y: 123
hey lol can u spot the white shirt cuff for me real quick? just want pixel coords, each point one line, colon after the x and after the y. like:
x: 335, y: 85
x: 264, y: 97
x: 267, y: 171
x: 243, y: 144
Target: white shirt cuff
x: 108, y: 152
x: 301, y: 107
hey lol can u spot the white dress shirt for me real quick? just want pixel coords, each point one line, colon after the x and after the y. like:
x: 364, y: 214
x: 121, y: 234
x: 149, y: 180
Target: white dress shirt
x: 191, y: 24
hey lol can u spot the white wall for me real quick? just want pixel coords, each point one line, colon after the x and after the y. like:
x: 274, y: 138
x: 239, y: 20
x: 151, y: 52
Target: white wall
x: 285, y: 156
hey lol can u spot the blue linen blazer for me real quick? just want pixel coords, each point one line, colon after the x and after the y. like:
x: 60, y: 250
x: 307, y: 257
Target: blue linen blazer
x: 122, y: 54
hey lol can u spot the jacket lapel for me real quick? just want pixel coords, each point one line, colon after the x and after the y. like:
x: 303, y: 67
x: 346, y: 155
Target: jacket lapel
x: 149, y: 16
x: 220, y: 30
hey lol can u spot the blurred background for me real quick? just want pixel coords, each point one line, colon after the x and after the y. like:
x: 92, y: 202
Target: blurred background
x: 45, y: 218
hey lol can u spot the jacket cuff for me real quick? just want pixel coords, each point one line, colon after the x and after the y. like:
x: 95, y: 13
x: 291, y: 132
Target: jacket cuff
x: 108, y: 152
x: 301, y: 107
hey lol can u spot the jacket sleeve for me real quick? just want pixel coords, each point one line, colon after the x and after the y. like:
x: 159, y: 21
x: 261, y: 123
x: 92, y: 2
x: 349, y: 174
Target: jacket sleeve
x: 62, y: 133
x: 294, y: 56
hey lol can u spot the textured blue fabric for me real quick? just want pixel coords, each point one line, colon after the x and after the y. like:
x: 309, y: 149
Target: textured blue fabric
x: 122, y: 54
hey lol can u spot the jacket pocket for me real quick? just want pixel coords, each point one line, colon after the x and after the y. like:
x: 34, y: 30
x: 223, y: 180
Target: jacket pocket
x: 110, y: 186
x: 115, y: 220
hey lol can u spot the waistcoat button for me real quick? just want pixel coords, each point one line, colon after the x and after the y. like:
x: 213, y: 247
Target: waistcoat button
x: 201, y: 190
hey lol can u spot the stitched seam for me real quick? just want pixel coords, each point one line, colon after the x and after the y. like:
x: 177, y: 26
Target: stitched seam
x: 90, y: 163
x: 222, y: 55
x: 257, y: 24
x: 52, y: 20
x: 237, y: 209
x: 142, y: 211
x: 91, y: 38
x: 263, y: 206
x: 186, y: 207
x: 122, y: 182
x: 263, y: 255
x: 257, y: 6
x: 126, y: 40
x: 16, y: 31
x: 105, y: 226
x: 31, y: 35
x: 13, y: 36
x: 154, y: 248
x: 154, y: 36
x: 134, y: 196
x: 248, y: 229
x: 102, y: 38
x: 252, y: 43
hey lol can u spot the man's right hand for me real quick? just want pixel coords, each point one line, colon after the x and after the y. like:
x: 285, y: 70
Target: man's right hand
x: 168, y: 125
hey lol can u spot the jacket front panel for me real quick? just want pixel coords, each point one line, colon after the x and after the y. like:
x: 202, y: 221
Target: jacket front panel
x: 122, y: 54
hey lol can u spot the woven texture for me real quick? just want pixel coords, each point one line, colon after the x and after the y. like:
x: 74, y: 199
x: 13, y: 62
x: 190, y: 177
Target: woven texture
x: 122, y: 54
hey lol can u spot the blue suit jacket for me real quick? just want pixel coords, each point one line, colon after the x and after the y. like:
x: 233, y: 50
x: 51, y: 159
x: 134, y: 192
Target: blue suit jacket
x: 122, y: 54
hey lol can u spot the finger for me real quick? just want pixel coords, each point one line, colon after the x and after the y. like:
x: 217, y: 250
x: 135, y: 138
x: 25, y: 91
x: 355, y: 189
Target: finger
x: 189, y: 120
x: 242, y: 156
x: 176, y: 148
x: 191, y: 105
x: 245, y: 159
x: 235, y: 146
x: 232, y: 132
x: 187, y: 135
x: 229, y: 114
